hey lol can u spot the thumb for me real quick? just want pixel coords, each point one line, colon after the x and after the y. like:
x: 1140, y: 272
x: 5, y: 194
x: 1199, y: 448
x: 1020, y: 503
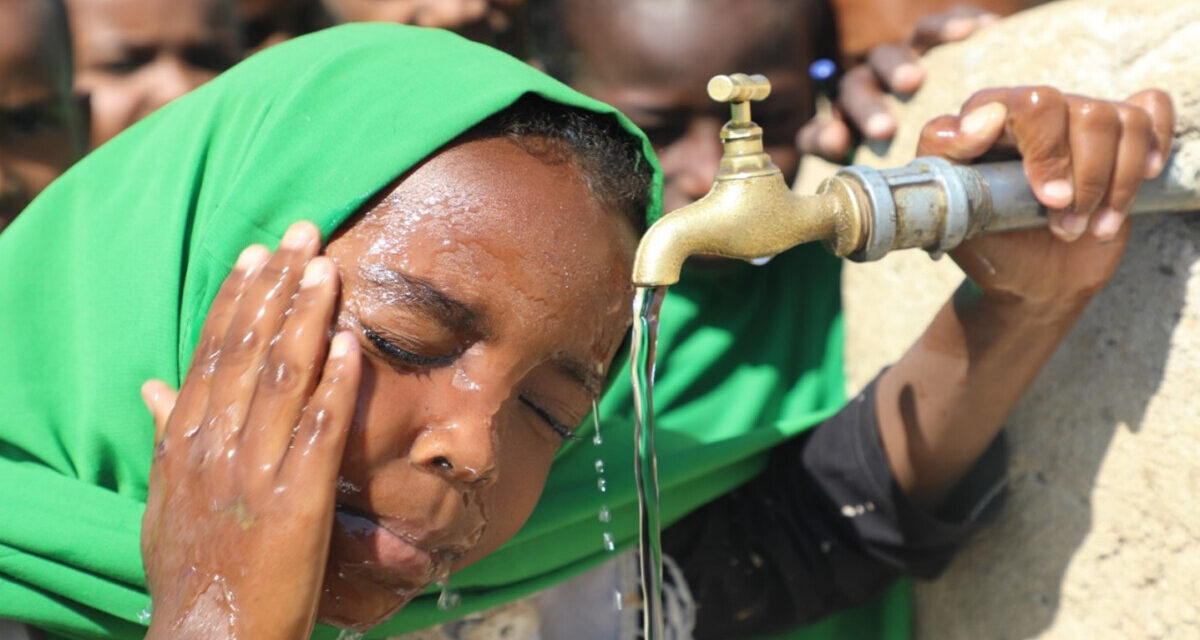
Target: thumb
x: 160, y: 401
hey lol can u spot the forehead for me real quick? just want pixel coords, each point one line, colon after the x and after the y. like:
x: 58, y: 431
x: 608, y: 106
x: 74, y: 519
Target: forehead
x: 679, y: 41
x: 149, y: 21
x: 33, y: 52
x: 489, y: 223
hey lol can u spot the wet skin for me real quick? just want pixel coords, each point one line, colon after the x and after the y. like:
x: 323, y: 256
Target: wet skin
x: 42, y: 124
x: 652, y: 60
x: 478, y: 314
x: 135, y: 56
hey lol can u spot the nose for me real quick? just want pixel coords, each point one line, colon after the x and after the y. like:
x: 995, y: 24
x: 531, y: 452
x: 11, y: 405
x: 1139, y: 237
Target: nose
x: 462, y: 449
x: 700, y: 152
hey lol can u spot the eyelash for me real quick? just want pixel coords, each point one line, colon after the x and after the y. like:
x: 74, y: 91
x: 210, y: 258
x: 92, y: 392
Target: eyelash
x: 408, y: 359
x: 404, y: 357
x: 559, y: 428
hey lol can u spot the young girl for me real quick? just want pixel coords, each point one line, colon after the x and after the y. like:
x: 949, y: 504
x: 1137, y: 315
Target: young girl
x: 480, y: 221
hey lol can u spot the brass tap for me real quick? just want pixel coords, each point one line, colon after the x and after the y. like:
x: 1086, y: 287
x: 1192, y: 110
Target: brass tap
x: 860, y: 213
x: 749, y: 213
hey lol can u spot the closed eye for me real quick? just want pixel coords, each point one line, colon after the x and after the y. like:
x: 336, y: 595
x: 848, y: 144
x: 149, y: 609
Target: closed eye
x: 562, y: 430
x: 404, y: 357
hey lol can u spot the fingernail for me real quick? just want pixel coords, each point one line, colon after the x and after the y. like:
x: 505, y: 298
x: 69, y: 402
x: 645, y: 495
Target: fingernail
x: 1059, y: 192
x: 251, y: 256
x: 1154, y: 164
x: 1108, y: 224
x: 879, y: 126
x: 907, y: 77
x: 979, y: 118
x: 297, y: 236
x: 832, y: 141
x: 1073, y: 225
x: 342, y: 343
x: 315, y: 272
x: 957, y: 29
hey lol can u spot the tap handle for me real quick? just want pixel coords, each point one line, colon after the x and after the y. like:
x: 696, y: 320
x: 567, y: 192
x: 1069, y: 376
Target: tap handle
x: 739, y: 89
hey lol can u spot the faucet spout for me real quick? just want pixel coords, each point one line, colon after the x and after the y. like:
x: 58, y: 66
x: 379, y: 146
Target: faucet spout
x: 745, y: 218
x: 749, y: 212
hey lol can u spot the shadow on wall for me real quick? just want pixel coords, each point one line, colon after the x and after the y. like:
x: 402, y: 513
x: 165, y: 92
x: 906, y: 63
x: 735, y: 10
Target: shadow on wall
x: 1100, y: 381
x: 1099, y: 534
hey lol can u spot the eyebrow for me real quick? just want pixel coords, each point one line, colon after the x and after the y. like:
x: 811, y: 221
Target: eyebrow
x: 457, y: 315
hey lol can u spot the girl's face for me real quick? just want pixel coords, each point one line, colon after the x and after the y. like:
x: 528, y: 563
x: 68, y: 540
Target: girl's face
x: 490, y: 292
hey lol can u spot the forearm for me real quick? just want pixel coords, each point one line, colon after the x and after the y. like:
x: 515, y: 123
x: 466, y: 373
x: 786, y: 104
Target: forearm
x: 942, y: 404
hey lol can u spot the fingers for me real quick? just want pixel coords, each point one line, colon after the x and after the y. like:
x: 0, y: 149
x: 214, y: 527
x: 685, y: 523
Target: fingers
x: 861, y: 98
x: 965, y: 137
x: 193, y: 400
x: 950, y: 26
x: 1093, y: 136
x: 1157, y: 105
x: 321, y: 436
x: 827, y: 137
x: 896, y: 67
x: 255, y: 324
x: 159, y: 398
x: 292, y: 368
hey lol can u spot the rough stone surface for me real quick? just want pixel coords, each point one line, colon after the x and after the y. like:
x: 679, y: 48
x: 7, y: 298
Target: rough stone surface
x: 1101, y: 535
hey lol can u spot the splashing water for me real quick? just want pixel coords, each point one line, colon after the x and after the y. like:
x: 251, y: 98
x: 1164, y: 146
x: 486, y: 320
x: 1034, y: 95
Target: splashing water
x: 646, y: 305
x: 350, y: 634
x: 144, y: 615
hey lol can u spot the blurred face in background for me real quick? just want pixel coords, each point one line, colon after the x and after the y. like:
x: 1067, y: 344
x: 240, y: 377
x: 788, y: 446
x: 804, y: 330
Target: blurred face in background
x: 652, y: 59
x: 134, y: 56
x: 42, y: 124
x: 494, y: 22
x: 269, y: 22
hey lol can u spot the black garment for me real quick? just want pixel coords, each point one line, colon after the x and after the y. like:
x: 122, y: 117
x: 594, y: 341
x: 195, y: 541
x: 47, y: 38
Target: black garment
x: 824, y: 527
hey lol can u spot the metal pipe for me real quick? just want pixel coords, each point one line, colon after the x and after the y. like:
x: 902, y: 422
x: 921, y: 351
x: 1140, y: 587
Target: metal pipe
x: 934, y: 205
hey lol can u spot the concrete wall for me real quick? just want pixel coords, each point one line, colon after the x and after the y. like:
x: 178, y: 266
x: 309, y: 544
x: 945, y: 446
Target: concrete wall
x: 1101, y: 535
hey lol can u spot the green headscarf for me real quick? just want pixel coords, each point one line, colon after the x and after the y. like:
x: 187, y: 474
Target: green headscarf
x: 108, y: 276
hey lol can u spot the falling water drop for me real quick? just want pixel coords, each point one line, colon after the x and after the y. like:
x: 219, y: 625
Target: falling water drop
x: 605, y: 515
x: 350, y: 634
x: 599, y: 466
x: 143, y: 616
x: 448, y: 599
x: 601, y: 485
x: 596, y: 439
x: 609, y: 543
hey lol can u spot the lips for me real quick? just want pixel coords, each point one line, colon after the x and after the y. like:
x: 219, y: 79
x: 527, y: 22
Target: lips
x: 383, y: 555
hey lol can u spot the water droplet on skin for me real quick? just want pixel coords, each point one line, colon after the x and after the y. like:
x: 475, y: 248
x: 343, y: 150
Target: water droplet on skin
x: 609, y: 543
x: 605, y: 515
x: 599, y: 466
x: 601, y: 485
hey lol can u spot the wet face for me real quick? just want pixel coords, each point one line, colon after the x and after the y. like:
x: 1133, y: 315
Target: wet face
x: 652, y: 59
x: 134, y: 56
x: 41, y: 123
x: 489, y: 305
x: 489, y: 21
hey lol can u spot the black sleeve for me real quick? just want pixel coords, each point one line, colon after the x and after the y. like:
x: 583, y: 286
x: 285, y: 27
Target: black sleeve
x: 823, y: 528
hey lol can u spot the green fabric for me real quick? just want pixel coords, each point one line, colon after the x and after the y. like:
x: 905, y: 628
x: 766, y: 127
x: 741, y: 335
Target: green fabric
x: 109, y: 274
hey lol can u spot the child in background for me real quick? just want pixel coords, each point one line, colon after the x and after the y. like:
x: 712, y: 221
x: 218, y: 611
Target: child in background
x: 134, y: 56
x: 43, y: 125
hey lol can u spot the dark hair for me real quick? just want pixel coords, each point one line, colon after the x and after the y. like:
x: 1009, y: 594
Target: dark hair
x: 609, y: 158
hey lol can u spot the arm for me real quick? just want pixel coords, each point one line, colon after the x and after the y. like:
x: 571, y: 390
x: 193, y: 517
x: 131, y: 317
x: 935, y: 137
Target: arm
x: 947, y: 398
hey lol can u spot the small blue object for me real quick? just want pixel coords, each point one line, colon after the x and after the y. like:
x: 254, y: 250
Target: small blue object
x: 822, y: 69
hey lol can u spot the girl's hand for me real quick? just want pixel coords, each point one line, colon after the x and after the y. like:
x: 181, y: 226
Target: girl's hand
x: 1085, y: 159
x: 236, y: 531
